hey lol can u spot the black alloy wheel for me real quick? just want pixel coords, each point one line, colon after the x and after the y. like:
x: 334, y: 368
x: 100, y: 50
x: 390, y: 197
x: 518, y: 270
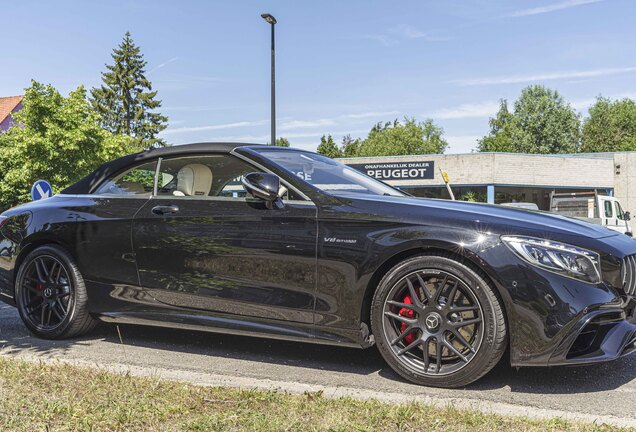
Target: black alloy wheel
x: 51, y: 295
x: 433, y: 321
x: 46, y: 292
x: 438, y: 322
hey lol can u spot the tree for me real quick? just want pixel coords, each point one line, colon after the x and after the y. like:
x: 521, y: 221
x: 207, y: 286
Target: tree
x: 501, y: 131
x: 57, y: 138
x: 125, y: 102
x: 542, y: 122
x: 350, y: 146
x: 329, y: 148
x: 408, y: 138
x: 282, y: 142
x: 610, y: 127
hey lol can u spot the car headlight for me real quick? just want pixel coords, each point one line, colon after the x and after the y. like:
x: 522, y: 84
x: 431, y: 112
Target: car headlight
x: 561, y: 258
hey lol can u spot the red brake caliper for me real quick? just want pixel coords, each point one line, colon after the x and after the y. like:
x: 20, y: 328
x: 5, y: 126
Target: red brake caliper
x: 407, y: 313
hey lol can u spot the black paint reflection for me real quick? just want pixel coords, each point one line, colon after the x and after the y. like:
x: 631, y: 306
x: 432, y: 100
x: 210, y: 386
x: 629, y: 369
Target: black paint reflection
x: 231, y: 256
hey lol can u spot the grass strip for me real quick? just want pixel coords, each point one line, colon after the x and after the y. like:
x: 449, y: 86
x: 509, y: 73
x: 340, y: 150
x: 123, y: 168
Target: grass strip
x: 69, y: 398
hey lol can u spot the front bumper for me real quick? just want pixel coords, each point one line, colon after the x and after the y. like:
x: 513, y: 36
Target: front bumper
x: 599, y: 336
x: 554, y: 320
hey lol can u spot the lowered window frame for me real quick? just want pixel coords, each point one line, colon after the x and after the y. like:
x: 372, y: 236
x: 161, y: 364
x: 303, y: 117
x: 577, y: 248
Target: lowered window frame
x: 257, y: 166
x: 154, y: 195
x: 94, y: 193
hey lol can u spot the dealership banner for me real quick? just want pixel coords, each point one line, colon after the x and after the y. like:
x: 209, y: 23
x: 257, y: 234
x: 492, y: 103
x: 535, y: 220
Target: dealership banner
x: 398, y: 170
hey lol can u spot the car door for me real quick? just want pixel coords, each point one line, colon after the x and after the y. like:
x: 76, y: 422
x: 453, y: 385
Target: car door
x: 201, y: 244
x: 610, y: 219
x: 621, y: 222
x: 103, y: 223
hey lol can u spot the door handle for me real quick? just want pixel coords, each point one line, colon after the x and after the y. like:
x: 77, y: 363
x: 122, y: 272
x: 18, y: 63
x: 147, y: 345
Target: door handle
x: 165, y: 209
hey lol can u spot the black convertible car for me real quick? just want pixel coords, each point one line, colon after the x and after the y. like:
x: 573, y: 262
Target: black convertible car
x: 284, y: 243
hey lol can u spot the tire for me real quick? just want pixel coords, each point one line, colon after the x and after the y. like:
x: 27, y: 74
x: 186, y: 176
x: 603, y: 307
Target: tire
x: 467, y: 327
x: 52, y: 305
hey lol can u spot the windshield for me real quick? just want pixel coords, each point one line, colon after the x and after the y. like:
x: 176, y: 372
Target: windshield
x: 326, y: 174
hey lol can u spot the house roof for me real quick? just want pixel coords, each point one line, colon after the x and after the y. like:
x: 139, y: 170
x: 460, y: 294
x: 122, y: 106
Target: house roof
x: 7, y: 105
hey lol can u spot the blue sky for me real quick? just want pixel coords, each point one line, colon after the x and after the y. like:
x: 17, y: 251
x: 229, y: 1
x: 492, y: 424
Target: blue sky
x: 341, y: 65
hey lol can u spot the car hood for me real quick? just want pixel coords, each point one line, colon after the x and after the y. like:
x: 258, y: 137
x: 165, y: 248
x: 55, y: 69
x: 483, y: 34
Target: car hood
x: 462, y: 214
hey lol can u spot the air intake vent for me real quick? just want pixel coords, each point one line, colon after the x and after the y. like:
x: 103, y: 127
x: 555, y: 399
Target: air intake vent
x: 628, y: 271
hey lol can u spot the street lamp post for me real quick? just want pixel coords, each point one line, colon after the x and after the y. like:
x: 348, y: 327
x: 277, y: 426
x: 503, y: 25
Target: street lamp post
x: 271, y: 20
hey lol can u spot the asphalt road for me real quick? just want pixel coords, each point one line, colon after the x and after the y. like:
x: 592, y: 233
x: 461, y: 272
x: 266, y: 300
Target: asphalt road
x: 604, y: 392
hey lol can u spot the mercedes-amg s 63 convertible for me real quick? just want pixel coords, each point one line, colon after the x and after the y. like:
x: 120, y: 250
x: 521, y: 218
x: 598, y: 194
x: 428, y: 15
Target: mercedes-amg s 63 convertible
x: 283, y: 243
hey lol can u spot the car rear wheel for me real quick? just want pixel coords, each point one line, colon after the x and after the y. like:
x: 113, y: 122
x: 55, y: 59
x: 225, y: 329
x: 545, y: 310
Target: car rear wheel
x: 437, y: 322
x: 51, y: 295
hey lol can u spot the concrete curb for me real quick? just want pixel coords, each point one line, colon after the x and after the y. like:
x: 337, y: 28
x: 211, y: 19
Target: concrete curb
x: 210, y: 379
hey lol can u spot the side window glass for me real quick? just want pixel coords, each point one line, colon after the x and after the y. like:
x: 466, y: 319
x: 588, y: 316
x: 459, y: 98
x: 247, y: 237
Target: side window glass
x: 203, y: 176
x: 619, y: 210
x: 137, y: 181
x: 608, y: 208
x: 206, y: 176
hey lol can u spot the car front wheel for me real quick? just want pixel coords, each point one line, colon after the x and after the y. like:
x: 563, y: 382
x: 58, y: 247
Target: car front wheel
x: 437, y: 322
x: 51, y: 296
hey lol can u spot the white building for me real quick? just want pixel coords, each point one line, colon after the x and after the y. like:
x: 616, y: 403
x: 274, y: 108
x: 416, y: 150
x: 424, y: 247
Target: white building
x: 508, y: 177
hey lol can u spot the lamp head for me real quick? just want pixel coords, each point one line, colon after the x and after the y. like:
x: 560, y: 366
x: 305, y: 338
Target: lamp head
x: 269, y: 18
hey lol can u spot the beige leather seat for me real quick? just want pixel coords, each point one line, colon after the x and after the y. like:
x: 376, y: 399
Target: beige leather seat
x: 194, y: 180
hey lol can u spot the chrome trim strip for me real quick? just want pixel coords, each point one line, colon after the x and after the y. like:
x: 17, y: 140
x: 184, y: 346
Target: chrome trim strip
x: 628, y: 271
x: 155, y: 187
x: 632, y: 279
x: 104, y: 196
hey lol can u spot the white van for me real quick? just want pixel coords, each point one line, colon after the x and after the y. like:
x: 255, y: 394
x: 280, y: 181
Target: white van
x: 592, y: 207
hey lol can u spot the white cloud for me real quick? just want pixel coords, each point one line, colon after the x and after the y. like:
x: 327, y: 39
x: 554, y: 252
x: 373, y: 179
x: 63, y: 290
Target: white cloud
x: 298, y: 124
x: 566, y: 4
x: 461, y: 143
x: 172, y: 131
x: 288, y: 123
x: 483, y: 109
x: 297, y: 135
x: 173, y: 59
x: 371, y: 114
x: 401, y: 32
x: 384, y: 40
x: 515, y: 79
x: 198, y: 108
x: 406, y: 31
x: 584, y: 104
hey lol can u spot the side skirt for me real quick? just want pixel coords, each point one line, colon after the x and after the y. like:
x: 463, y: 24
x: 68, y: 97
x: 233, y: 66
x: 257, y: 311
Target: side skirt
x: 192, y: 320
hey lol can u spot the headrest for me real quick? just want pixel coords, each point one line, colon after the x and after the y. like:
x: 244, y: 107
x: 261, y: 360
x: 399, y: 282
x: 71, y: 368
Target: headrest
x: 194, y: 180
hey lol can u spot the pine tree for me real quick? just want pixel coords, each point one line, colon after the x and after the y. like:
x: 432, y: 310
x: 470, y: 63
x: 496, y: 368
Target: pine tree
x: 350, y: 146
x: 328, y: 147
x: 126, y: 100
x: 282, y: 142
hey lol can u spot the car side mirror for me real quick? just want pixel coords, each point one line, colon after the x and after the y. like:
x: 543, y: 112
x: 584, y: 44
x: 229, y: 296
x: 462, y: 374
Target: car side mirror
x: 264, y: 186
x: 627, y: 216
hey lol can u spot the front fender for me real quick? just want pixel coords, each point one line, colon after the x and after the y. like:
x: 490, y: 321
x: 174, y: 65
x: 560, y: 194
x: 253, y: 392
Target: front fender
x: 354, y: 255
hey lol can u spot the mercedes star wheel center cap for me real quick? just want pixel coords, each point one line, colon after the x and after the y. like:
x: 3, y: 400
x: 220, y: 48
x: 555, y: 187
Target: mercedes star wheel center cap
x: 433, y: 321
